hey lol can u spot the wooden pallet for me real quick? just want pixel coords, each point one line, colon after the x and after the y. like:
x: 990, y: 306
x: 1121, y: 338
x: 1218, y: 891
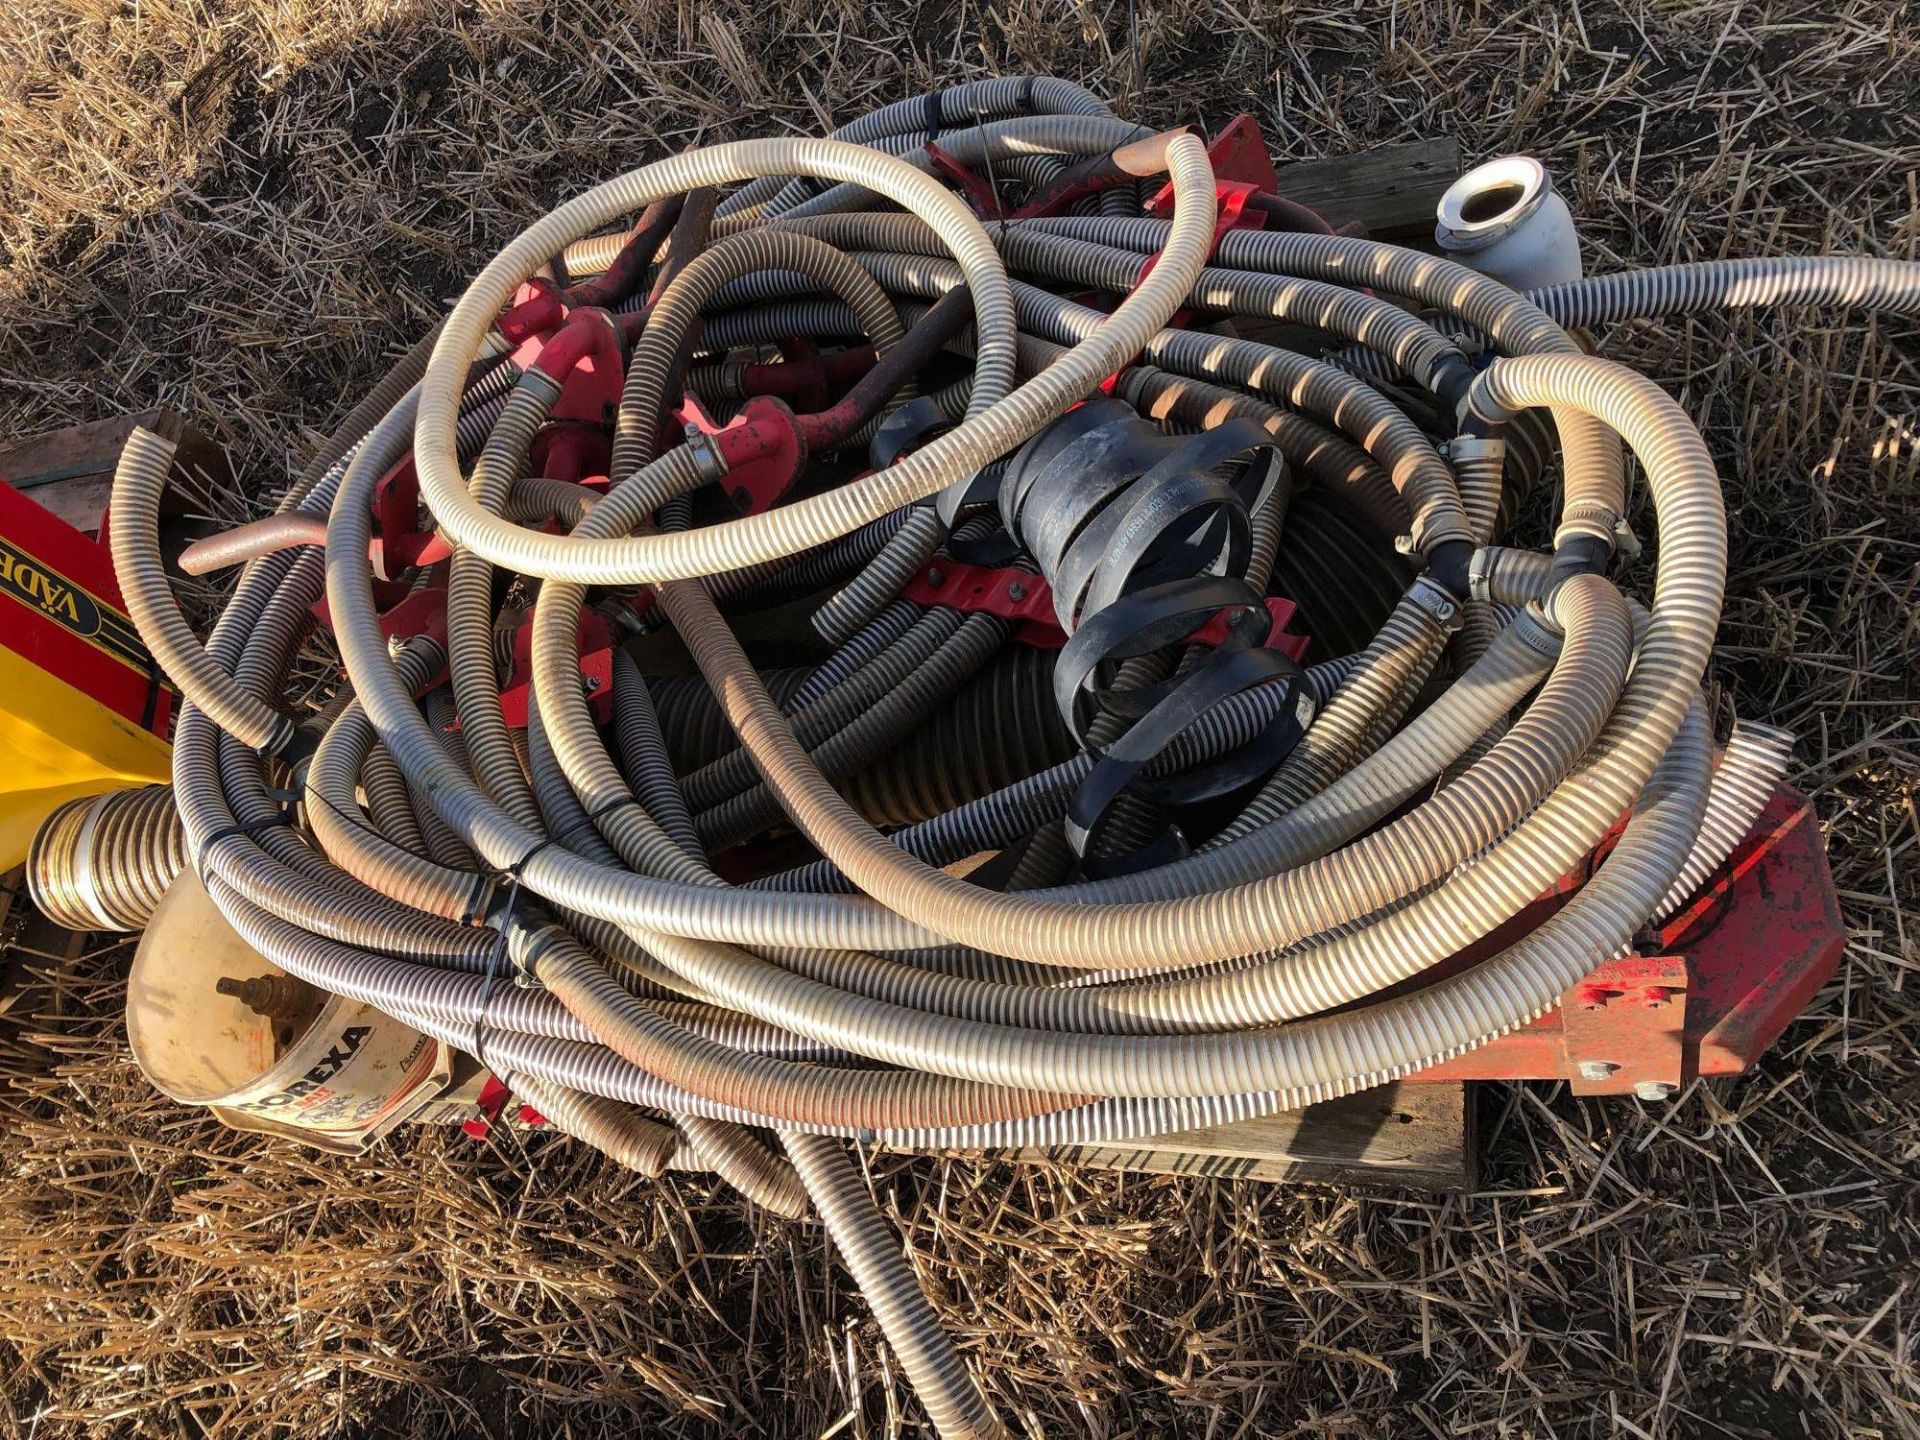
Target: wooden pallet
x: 1416, y: 1135
x: 70, y: 471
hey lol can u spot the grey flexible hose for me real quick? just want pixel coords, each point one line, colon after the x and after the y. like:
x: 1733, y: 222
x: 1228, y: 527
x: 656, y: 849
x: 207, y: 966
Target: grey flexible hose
x: 953, y: 1400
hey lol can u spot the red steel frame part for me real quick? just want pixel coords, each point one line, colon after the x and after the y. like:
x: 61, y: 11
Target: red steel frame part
x: 1708, y: 992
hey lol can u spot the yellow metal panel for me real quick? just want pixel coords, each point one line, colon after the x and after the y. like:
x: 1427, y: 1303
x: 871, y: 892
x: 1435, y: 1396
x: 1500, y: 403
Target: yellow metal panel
x: 57, y: 743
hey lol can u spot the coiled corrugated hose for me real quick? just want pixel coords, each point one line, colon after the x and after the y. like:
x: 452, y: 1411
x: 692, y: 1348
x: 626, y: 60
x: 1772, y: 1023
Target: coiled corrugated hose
x: 1449, y: 777
x: 103, y: 862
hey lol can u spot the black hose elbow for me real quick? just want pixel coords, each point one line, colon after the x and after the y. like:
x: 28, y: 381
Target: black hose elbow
x: 1449, y: 563
x: 1451, y: 381
x: 299, y: 746
x: 1578, y: 555
x: 1475, y: 426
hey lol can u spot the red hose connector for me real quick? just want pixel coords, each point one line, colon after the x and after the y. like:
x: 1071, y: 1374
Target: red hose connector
x: 541, y: 310
x: 588, y: 333
x: 765, y: 446
x: 585, y: 358
x: 761, y: 450
x: 805, y: 376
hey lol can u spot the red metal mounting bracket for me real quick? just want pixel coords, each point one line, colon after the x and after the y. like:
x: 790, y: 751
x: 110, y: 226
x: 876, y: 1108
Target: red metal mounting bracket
x: 1732, y: 971
x: 1230, y: 213
x: 1239, y: 156
x: 978, y: 190
x: 1628, y: 1017
x: 762, y: 447
x: 595, y: 649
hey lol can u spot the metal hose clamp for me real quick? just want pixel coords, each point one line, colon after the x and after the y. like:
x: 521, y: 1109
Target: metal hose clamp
x: 1431, y: 596
x: 706, y: 454
x: 1480, y: 574
x: 1535, y: 629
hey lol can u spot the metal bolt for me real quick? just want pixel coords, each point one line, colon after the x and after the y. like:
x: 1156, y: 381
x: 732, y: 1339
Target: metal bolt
x: 1654, y: 1089
x: 936, y: 576
x: 1596, y: 1069
x: 1016, y: 591
x: 273, y: 997
x: 593, y: 683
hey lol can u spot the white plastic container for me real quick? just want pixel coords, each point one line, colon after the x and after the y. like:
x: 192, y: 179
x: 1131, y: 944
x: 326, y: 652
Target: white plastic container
x: 1505, y: 219
x: 338, y: 1080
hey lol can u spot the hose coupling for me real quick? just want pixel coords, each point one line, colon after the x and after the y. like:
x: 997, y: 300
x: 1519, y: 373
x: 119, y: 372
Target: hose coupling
x: 1536, y: 629
x: 293, y: 743
x: 1441, y: 605
x: 1480, y: 574
x: 1599, y: 523
x: 1466, y: 448
x: 706, y: 454
x: 1449, y: 565
x: 529, y: 940
x: 1484, y: 407
x: 1578, y: 553
x: 541, y: 384
x: 1452, y: 382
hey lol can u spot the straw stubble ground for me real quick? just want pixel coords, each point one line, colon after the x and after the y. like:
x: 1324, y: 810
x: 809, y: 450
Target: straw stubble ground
x: 239, y: 208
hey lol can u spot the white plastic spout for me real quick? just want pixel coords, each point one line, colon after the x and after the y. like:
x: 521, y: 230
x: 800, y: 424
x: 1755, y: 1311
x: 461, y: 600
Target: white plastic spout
x: 1505, y: 219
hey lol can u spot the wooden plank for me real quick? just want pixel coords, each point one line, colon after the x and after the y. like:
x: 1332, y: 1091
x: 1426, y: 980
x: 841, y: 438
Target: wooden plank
x: 77, y: 450
x: 13, y: 890
x: 80, y: 500
x: 1418, y: 1135
x: 70, y: 471
x: 1391, y: 190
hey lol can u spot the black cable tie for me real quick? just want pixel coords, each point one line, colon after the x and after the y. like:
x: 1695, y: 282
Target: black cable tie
x: 227, y: 832
x: 479, y: 1029
x: 932, y: 121
x: 518, y: 868
x: 612, y: 805
x: 498, y: 950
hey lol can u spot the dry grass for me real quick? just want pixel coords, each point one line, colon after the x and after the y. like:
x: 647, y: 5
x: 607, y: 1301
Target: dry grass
x: 238, y: 206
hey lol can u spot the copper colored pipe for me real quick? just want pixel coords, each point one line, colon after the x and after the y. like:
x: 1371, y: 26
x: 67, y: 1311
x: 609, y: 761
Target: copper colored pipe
x: 622, y: 277
x: 1137, y: 160
x: 250, y: 541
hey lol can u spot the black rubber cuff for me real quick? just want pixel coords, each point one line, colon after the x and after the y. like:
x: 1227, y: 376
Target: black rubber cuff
x: 1449, y: 564
x: 1451, y: 385
x: 1578, y: 555
x: 301, y: 747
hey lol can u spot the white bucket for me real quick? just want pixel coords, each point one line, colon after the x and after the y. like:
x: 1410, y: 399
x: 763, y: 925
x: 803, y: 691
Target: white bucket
x: 343, y: 1081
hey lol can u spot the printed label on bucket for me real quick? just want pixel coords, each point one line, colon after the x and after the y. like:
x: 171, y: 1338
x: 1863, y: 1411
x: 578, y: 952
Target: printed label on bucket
x: 359, y: 1076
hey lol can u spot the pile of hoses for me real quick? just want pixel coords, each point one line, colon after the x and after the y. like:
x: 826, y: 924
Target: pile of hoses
x: 552, y: 899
